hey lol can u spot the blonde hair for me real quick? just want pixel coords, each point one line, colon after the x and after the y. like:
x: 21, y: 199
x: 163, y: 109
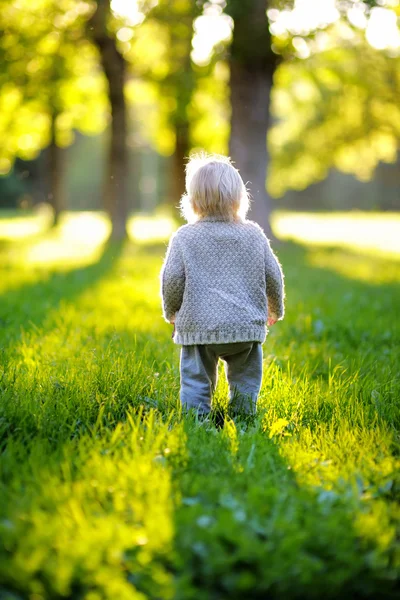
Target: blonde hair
x: 214, y: 188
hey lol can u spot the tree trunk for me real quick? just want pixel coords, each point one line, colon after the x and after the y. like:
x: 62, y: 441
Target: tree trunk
x: 250, y: 98
x: 252, y: 65
x: 56, y: 192
x: 115, y: 196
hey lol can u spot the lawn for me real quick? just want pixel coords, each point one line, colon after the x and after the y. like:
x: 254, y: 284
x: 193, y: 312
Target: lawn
x: 107, y: 492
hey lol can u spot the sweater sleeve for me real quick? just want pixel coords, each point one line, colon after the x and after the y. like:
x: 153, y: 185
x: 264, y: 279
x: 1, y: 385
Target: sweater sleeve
x: 172, y: 280
x: 275, y: 284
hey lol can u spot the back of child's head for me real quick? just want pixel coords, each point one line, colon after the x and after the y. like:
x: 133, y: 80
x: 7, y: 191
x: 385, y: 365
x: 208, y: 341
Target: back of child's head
x: 214, y: 189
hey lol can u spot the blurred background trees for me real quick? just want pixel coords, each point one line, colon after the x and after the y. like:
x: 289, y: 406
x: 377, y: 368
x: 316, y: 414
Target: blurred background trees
x: 114, y: 68
x: 131, y: 87
x: 51, y: 86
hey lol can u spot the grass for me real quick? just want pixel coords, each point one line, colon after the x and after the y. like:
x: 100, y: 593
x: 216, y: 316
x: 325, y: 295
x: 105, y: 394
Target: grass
x: 106, y: 492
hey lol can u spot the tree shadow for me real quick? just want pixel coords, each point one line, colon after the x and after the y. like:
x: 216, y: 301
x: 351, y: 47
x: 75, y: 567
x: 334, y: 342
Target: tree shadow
x: 247, y: 528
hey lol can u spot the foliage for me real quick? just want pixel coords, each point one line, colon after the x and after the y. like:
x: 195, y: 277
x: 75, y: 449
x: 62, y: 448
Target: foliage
x: 107, y: 492
x: 335, y: 97
x: 177, y: 19
x: 336, y: 109
x: 48, y: 68
x: 159, y: 55
x: 170, y: 92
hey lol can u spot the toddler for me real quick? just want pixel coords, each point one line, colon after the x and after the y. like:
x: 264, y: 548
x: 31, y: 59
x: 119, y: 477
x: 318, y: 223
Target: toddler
x: 221, y: 284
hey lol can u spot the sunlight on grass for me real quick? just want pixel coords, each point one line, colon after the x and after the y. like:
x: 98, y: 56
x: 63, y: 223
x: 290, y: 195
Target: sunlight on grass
x: 370, y: 233
x: 114, y: 497
x: 356, y: 266
x: 16, y: 225
x: 146, y: 229
x: 79, y: 237
x: 95, y: 449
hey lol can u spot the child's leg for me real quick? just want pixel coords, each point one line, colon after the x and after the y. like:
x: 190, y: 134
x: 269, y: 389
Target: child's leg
x: 244, y: 373
x: 198, y: 377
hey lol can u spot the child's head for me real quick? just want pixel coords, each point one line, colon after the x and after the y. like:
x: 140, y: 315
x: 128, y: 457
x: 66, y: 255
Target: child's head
x: 214, y: 188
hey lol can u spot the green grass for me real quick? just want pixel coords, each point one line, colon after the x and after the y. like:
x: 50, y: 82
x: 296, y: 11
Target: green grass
x: 106, y: 492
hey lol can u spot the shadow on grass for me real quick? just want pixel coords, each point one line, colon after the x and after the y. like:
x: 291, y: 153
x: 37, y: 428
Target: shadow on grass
x: 245, y: 527
x: 242, y: 525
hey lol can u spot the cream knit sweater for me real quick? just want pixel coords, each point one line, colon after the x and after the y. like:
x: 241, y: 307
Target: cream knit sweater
x: 220, y: 281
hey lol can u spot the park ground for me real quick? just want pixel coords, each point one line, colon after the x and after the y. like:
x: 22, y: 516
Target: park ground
x: 107, y: 492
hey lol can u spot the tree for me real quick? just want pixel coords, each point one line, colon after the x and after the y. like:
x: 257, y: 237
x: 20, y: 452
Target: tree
x: 254, y: 56
x: 114, y: 66
x: 50, y: 84
x: 180, y: 82
x: 172, y: 71
x: 179, y: 97
x: 252, y: 65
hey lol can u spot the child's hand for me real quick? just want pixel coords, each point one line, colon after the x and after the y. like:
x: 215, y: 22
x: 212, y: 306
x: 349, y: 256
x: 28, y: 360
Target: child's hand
x: 172, y: 320
x: 271, y: 321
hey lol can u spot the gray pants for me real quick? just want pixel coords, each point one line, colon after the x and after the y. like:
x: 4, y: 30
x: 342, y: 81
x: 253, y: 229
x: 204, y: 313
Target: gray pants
x: 199, y: 372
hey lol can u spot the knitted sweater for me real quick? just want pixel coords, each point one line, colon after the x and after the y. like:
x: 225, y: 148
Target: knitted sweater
x: 220, y: 281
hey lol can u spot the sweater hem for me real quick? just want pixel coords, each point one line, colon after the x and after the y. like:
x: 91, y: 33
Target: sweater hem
x: 256, y: 333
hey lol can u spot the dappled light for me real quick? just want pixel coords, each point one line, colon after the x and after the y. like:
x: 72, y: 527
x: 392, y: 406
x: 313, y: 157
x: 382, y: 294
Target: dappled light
x: 382, y: 31
x: 79, y: 236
